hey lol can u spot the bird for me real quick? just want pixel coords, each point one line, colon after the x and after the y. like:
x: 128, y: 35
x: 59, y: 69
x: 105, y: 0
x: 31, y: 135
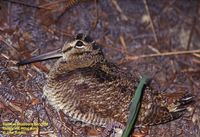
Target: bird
x: 90, y: 89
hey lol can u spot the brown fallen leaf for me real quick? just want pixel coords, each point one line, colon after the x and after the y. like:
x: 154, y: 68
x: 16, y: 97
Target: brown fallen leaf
x: 2, y: 106
x: 93, y: 132
x: 35, y: 101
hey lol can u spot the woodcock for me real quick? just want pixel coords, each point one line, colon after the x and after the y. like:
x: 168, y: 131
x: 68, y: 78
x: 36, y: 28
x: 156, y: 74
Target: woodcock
x: 91, y: 90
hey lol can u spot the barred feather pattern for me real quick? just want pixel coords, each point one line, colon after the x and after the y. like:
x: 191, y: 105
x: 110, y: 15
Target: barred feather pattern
x: 94, y: 91
x: 97, y: 98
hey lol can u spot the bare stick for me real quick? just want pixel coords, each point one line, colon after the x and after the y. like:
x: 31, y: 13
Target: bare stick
x: 163, y: 54
x: 151, y: 22
x: 123, y: 16
x: 25, y: 4
x: 193, y: 26
x: 121, y: 38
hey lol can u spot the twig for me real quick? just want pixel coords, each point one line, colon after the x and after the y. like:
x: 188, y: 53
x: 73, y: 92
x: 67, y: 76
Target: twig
x: 193, y: 27
x: 154, y: 49
x: 8, y: 43
x: 190, y: 70
x: 151, y: 22
x: 110, y: 46
x: 25, y: 4
x: 123, y: 42
x: 9, y: 103
x: 163, y: 54
x: 123, y: 16
x: 57, y: 30
x: 196, y: 55
x: 197, y: 61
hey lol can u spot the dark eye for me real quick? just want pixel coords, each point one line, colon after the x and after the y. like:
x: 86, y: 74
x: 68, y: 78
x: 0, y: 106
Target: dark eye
x: 79, y: 44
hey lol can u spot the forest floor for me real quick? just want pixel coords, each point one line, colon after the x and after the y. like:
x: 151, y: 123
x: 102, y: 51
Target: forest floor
x: 157, y: 38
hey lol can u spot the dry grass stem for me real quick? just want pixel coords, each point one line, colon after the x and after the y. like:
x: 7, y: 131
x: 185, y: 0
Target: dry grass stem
x: 163, y: 54
x: 123, y: 16
x: 151, y: 22
x: 193, y: 27
x: 25, y: 4
x: 123, y: 42
x: 154, y: 49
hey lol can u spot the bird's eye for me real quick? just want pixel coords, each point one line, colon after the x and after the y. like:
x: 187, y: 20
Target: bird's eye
x: 79, y: 44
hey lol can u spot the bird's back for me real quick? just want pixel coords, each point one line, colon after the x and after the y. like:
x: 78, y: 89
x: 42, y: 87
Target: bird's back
x: 102, y: 94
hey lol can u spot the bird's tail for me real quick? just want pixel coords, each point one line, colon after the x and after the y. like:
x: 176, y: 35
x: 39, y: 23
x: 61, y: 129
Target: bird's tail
x: 178, y: 103
x: 174, y: 106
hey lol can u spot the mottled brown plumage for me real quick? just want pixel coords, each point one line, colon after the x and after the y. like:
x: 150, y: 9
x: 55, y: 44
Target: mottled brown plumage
x: 94, y: 91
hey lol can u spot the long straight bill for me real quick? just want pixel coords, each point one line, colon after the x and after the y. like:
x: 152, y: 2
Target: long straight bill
x: 46, y: 56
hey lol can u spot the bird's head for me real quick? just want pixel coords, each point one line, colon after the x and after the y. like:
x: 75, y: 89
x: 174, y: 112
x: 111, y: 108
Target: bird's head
x: 80, y: 52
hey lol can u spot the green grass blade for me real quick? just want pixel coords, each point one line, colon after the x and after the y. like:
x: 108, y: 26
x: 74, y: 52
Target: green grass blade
x: 135, y: 107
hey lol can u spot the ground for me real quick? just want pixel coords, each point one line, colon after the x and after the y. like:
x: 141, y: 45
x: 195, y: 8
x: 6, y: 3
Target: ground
x: 160, y: 39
